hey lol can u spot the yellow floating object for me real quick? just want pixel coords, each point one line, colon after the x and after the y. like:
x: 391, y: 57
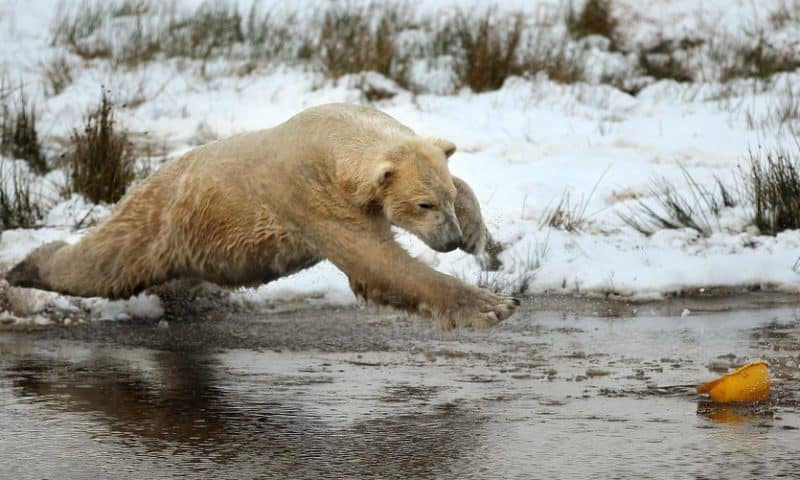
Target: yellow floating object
x: 749, y: 383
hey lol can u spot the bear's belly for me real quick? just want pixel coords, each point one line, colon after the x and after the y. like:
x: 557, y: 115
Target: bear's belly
x: 261, y: 266
x: 272, y: 271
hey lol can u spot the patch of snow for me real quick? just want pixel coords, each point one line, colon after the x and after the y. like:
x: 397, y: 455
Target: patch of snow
x: 76, y: 212
x: 142, y: 306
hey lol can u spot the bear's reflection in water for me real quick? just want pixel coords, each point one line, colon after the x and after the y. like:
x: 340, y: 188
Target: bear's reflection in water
x: 182, y: 402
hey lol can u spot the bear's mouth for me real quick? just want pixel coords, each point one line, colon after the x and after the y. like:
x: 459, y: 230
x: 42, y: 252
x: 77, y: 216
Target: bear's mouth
x: 447, y: 238
x: 449, y: 246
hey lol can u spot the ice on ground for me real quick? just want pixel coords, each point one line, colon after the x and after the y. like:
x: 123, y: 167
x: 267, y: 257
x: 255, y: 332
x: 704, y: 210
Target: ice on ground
x: 521, y: 148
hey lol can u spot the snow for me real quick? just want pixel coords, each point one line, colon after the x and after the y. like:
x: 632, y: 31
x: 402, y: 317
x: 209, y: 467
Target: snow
x: 520, y: 148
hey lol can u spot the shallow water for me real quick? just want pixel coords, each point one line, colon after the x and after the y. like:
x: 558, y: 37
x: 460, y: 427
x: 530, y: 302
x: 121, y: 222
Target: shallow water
x: 362, y: 394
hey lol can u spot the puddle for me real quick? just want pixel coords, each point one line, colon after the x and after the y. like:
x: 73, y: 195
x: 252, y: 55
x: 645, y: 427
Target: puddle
x: 344, y: 394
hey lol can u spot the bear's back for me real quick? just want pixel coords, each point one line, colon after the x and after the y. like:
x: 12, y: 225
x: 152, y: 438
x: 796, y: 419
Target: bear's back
x: 350, y: 120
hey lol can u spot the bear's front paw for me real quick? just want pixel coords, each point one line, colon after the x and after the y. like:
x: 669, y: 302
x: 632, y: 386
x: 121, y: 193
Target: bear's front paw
x: 481, y: 309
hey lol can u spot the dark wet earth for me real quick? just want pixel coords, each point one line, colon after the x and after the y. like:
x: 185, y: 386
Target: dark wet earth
x: 558, y: 391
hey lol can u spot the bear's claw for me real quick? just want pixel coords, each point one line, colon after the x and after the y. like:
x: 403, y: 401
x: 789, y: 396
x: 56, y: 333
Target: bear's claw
x: 481, y: 309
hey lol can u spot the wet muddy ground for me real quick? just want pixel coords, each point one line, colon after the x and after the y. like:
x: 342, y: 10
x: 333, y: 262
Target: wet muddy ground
x: 564, y: 389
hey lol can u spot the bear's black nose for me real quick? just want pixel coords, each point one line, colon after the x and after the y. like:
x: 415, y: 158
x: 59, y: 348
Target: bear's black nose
x: 451, y: 245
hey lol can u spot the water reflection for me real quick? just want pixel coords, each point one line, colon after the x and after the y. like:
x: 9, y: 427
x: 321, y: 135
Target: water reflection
x: 778, y: 342
x: 183, y: 402
x: 176, y: 403
x: 735, y: 414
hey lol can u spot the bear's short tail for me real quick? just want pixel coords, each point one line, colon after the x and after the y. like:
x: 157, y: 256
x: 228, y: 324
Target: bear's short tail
x: 27, y: 273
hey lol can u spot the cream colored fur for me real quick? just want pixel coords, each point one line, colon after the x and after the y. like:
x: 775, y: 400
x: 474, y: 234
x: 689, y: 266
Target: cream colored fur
x: 326, y: 184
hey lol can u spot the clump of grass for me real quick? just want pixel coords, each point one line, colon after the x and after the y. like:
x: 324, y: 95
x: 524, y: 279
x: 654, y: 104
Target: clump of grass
x: 565, y: 214
x: 772, y: 184
x: 73, y: 27
x: 787, y: 108
x: 674, y: 210
x: 769, y: 185
x: 19, y: 207
x: 568, y: 215
x: 485, y: 49
x: 147, y: 37
x: 624, y: 82
x: 19, y: 137
x: 100, y: 165
x: 665, y: 66
x: 57, y: 75
x: 93, y: 29
x: 127, y: 8
x: 360, y: 40
x: 759, y: 60
x: 555, y: 59
x: 787, y: 12
x: 518, y: 273
x: 340, y: 41
x: 782, y: 110
x: 593, y: 19
x: 669, y: 59
x: 213, y: 29
x: 272, y: 37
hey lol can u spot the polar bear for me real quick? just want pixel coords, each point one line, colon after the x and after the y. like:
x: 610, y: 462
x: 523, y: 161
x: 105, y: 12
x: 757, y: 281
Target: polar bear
x: 329, y: 183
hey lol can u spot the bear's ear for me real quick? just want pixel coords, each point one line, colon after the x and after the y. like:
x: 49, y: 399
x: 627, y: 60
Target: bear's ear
x: 369, y: 185
x: 447, y: 146
x: 381, y: 173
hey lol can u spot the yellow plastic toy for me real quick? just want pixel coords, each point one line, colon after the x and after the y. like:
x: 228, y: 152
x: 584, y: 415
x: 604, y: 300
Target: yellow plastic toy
x: 749, y: 383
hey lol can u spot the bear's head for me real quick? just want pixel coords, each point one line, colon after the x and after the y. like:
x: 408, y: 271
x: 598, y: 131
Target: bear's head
x: 416, y: 192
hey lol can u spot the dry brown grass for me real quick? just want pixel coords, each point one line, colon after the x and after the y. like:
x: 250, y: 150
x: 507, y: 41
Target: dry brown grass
x: 593, y: 19
x: 698, y: 209
x: 665, y: 66
x: 355, y: 40
x: 482, y: 48
x: 768, y: 186
x: 519, y: 271
x: 787, y: 12
x: 57, y: 74
x: 100, y: 165
x: 566, y: 214
x: 555, y: 59
x: 772, y: 183
x: 747, y: 59
x: 20, y: 207
x: 485, y: 49
x: 19, y: 136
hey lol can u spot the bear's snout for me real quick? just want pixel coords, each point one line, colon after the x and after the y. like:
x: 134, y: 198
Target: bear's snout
x: 448, y: 236
x: 452, y: 245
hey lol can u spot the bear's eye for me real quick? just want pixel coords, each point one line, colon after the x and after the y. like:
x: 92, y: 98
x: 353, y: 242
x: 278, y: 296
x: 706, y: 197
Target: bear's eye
x: 426, y: 206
